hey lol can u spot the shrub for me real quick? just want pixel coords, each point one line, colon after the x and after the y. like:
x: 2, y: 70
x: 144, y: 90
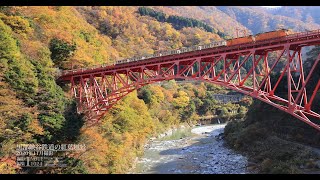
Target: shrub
x: 145, y: 94
x: 61, y: 51
x: 17, y: 24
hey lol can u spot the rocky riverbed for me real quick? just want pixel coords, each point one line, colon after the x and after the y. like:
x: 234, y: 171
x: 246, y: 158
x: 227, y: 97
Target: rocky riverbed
x: 202, y: 153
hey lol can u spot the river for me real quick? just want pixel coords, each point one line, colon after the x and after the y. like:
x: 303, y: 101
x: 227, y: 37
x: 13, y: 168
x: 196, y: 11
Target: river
x: 203, y: 152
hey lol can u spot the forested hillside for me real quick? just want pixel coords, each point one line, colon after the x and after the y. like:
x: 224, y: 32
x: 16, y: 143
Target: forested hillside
x: 253, y: 19
x: 208, y: 14
x: 308, y: 14
x: 38, y: 42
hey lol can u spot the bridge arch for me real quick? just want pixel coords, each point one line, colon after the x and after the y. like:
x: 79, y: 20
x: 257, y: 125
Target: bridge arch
x: 97, y: 90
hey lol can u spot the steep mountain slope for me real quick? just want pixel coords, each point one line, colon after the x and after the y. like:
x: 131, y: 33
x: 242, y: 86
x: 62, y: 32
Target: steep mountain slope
x: 209, y: 14
x: 37, y: 41
x: 308, y: 14
x: 260, y: 21
x: 134, y: 35
x: 251, y: 18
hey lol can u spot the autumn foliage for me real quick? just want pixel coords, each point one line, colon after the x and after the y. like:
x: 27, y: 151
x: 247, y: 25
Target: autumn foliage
x: 37, y: 42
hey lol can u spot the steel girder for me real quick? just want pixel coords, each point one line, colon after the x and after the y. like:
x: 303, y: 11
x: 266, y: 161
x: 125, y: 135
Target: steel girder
x: 97, y: 89
x: 97, y: 93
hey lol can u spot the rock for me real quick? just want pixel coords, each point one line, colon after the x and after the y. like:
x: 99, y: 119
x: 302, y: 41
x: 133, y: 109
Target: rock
x: 251, y: 168
x: 251, y: 163
x: 177, y: 171
x: 318, y: 164
x: 208, y: 156
x: 203, y: 165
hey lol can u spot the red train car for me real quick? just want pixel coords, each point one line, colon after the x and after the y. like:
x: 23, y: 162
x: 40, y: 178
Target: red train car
x: 241, y: 40
x: 260, y: 37
x: 273, y: 34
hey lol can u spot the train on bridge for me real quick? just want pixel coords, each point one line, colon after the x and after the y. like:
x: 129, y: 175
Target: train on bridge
x: 98, y: 88
x: 231, y: 42
x: 282, y: 33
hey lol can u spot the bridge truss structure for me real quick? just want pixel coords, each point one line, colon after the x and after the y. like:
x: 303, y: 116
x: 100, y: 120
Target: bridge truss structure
x: 275, y: 75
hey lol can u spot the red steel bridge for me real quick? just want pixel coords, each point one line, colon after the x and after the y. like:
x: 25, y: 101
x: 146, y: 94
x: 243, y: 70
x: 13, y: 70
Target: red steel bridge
x: 97, y: 89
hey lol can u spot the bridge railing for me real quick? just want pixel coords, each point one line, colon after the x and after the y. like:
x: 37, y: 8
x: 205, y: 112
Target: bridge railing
x: 303, y: 34
x: 84, y: 69
x: 173, y: 52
